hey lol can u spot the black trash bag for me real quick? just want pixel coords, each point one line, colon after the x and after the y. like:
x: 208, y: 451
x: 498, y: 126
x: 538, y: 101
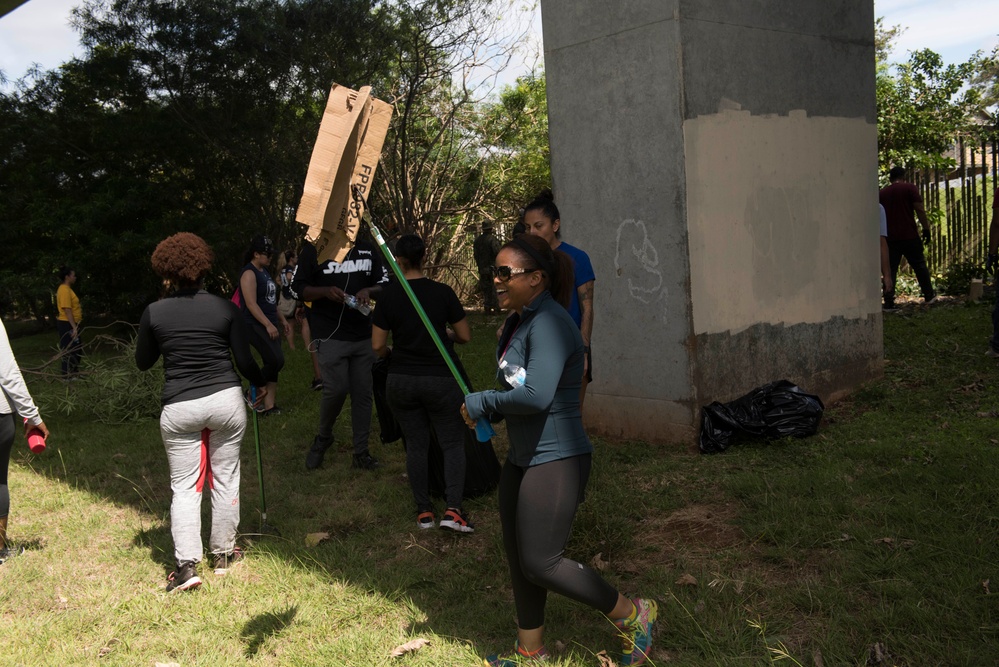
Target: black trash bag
x: 482, y: 468
x: 776, y: 410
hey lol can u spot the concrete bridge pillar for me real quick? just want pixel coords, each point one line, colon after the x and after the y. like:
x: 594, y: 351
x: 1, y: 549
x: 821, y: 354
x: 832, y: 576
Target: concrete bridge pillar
x: 718, y: 161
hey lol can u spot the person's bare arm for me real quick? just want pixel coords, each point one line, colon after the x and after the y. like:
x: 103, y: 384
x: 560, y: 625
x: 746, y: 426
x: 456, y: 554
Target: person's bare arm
x: 885, y: 265
x: 585, y: 293
x: 921, y: 214
x: 379, y: 341
x: 248, y: 286
x: 994, y: 232
x: 460, y: 331
x: 312, y: 293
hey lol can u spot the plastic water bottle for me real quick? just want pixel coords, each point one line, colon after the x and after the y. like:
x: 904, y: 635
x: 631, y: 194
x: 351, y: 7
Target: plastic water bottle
x: 514, y: 375
x: 352, y: 302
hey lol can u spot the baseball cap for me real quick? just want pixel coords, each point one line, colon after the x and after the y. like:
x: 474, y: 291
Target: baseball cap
x: 262, y: 244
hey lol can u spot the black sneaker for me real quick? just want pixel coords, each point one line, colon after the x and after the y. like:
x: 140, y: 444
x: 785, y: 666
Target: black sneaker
x: 9, y: 552
x: 222, y: 562
x: 270, y: 412
x: 317, y: 385
x: 365, y: 461
x: 185, y: 578
x: 317, y: 452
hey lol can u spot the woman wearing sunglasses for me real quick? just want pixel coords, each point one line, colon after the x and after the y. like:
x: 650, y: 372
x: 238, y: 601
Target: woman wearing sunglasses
x: 545, y: 475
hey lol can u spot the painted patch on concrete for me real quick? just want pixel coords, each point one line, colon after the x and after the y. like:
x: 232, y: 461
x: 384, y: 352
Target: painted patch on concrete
x: 776, y: 211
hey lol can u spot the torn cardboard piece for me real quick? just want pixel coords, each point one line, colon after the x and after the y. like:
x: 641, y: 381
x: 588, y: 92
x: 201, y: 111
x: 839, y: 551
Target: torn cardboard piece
x: 346, y: 154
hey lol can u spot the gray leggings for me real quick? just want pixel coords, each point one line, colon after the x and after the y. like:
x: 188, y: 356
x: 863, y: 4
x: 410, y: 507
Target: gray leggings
x: 202, y: 438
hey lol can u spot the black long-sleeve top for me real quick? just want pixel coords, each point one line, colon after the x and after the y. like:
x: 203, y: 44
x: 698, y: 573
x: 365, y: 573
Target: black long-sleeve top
x: 194, y: 331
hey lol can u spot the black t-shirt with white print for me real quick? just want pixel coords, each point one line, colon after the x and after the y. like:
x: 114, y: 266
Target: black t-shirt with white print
x: 362, y: 267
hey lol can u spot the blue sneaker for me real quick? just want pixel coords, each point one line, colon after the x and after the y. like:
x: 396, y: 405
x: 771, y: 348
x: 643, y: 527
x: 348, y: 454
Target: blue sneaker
x: 636, y: 634
x: 517, y: 657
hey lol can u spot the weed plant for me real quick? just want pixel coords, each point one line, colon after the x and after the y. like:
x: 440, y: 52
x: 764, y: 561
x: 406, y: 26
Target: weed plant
x: 871, y: 543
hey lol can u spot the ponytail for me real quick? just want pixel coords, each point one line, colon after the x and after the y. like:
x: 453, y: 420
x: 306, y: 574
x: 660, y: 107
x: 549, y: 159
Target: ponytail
x: 555, y: 265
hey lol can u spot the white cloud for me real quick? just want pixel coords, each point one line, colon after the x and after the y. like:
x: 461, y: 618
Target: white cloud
x: 37, y: 32
x: 954, y: 29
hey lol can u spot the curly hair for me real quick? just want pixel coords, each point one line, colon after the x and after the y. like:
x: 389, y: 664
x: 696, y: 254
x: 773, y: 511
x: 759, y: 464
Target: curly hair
x: 183, y: 259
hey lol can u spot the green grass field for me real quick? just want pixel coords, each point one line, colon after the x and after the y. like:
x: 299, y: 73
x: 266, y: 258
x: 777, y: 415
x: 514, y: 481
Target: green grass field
x: 872, y: 543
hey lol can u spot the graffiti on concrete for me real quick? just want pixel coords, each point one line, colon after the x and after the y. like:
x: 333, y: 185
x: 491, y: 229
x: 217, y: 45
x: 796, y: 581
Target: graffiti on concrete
x: 637, y: 259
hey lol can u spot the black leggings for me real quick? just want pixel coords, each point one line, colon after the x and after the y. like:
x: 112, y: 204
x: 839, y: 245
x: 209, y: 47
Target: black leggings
x: 537, y: 506
x: 7, y: 428
x: 271, y: 355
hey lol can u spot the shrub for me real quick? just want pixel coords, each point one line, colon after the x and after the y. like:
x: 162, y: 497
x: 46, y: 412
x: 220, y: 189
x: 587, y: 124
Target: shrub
x: 956, y: 278
x: 112, y: 388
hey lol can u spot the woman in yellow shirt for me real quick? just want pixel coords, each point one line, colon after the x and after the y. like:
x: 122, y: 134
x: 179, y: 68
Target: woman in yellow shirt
x: 68, y: 322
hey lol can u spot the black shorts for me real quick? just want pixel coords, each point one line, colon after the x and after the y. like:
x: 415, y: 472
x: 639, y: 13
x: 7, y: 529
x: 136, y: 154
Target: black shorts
x: 589, y: 364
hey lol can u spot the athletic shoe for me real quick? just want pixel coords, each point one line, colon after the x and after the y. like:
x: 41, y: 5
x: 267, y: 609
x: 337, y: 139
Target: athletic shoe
x: 932, y: 300
x: 425, y: 520
x: 517, y: 657
x: 636, y: 633
x: 453, y: 520
x: 365, y: 461
x: 317, y: 452
x: 222, y: 562
x: 270, y: 412
x: 185, y: 578
x: 9, y: 552
x: 317, y: 385
x: 992, y: 354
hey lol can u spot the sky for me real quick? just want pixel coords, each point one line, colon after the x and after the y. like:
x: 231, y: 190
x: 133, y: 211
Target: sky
x: 39, y: 32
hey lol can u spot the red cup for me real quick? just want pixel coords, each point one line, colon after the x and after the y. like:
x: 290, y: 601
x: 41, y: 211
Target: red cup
x: 36, y: 441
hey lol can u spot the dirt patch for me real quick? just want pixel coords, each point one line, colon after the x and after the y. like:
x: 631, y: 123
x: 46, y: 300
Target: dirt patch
x: 696, y: 531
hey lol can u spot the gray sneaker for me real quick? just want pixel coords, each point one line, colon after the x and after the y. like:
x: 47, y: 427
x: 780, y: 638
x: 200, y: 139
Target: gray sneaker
x: 317, y: 452
x: 222, y: 562
x: 365, y: 461
x: 992, y: 354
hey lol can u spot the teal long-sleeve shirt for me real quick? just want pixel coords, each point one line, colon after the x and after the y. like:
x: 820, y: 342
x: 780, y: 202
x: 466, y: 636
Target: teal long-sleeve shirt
x: 543, y: 417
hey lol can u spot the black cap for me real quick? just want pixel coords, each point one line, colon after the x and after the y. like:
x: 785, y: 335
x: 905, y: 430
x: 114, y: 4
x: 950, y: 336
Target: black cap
x: 262, y: 244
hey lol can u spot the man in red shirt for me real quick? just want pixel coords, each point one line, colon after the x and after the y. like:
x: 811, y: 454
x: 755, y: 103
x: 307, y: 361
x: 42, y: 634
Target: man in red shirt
x: 902, y: 204
x: 991, y: 265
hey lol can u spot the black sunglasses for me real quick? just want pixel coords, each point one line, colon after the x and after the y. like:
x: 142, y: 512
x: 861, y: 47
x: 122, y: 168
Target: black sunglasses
x: 505, y: 273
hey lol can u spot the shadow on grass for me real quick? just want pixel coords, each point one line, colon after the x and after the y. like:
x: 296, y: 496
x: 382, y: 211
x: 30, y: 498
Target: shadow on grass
x: 455, y: 583
x: 159, y: 541
x: 260, y: 627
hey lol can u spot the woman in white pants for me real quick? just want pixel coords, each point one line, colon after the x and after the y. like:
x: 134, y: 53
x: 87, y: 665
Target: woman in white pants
x: 204, y: 416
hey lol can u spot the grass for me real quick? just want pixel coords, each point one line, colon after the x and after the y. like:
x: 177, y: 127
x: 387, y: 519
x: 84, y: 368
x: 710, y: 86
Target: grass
x: 873, y: 542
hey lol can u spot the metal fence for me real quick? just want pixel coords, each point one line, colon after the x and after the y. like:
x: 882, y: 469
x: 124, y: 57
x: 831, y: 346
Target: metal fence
x: 963, y: 198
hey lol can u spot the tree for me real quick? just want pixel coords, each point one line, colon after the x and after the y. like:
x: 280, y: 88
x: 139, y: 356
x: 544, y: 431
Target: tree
x: 445, y: 64
x: 195, y: 115
x: 922, y: 105
x: 519, y: 165
x: 987, y: 80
